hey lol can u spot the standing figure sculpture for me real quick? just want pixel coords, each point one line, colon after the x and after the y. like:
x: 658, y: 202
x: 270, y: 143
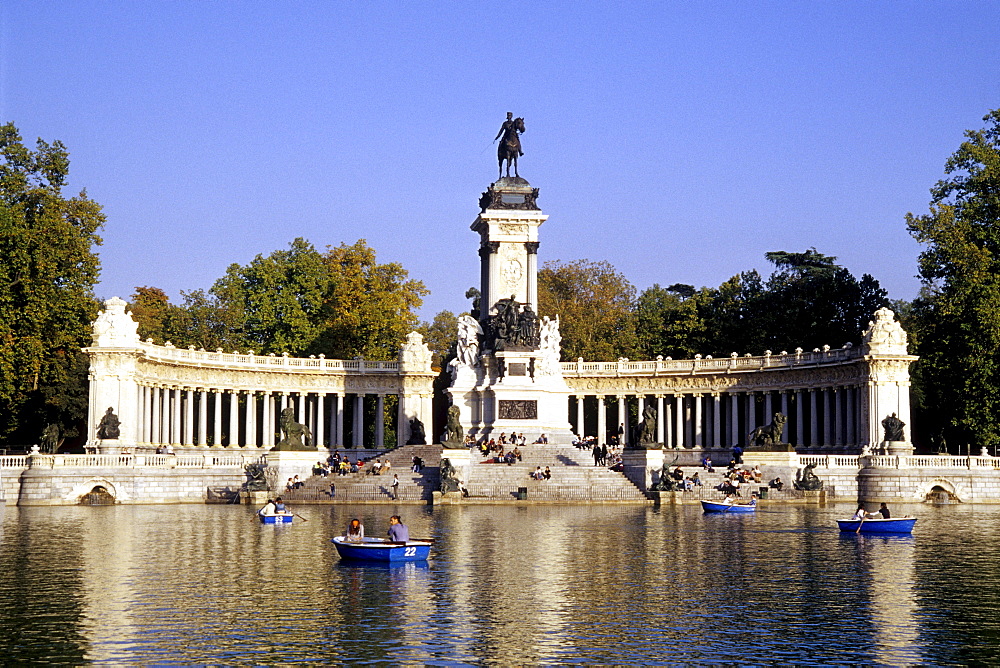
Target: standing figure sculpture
x: 510, y: 146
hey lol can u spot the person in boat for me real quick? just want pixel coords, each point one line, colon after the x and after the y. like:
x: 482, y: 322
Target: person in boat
x: 883, y: 510
x: 753, y: 499
x: 355, y: 532
x: 398, y: 532
x: 267, y: 510
x: 730, y: 499
x: 279, y: 507
x: 861, y: 513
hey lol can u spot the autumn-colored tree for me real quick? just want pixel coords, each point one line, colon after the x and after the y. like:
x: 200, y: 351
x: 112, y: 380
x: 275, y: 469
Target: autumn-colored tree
x: 47, y: 273
x: 441, y: 337
x: 369, y: 308
x: 595, y: 307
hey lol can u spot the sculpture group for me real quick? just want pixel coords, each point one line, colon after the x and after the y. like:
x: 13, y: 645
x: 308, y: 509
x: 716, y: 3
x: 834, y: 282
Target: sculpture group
x: 513, y: 325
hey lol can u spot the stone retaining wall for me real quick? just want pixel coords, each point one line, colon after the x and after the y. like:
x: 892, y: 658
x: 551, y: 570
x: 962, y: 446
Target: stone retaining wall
x: 66, y: 486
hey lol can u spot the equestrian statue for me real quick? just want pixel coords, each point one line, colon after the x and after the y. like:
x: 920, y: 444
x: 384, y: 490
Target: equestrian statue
x: 510, y: 146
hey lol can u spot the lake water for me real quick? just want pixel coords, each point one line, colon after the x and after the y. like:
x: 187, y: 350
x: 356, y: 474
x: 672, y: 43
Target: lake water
x: 505, y: 585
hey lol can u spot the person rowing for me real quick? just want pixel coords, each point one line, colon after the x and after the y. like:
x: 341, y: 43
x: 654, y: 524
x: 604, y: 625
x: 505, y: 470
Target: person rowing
x: 267, y: 510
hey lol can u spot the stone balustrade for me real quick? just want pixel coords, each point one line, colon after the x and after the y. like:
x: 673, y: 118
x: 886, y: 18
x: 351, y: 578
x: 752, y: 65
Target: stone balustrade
x: 709, y: 364
x: 119, y: 461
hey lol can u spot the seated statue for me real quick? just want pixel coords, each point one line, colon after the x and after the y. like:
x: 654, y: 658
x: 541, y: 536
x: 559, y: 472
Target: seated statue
x: 807, y: 480
x: 893, y: 428
x: 449, y: 478
x: 417, y: 436
x: 109, y: 426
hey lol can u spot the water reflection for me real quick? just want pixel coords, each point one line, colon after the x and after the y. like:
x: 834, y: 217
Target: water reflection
x: 604, y: 584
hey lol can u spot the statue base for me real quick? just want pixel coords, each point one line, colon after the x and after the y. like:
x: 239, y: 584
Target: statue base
x: 642, y: 467
x: 645, y: 446
x: 770, y: 447
x: 903, y: 448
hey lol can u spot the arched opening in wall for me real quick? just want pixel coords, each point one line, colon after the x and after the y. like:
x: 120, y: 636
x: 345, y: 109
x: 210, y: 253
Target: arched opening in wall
x: 99, y: 496
x: 939, y: 495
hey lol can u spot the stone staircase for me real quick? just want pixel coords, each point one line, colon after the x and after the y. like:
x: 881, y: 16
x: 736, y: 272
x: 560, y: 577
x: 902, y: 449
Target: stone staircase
x: 361, y: 487
x: 710, y: 481
x: 575, y: 479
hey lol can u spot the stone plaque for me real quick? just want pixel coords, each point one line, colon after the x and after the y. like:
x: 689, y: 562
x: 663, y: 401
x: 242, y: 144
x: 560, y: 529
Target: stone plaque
x: 518, y: 410
x: 517, y: 369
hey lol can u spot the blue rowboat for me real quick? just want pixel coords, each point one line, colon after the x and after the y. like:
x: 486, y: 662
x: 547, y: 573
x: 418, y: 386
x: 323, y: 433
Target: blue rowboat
x: 716, y: 507
x: 893, y: 525
x: 280, y: 518
x: 382, y: 550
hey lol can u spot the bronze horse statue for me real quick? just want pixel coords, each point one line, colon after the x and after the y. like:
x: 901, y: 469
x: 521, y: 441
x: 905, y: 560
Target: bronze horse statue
x: 510, y: 146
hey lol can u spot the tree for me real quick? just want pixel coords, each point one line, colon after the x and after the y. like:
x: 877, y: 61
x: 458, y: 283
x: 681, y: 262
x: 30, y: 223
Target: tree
x: 276, y: 302
x: 370, y: 307
x: 341, y: 303
x: 957, y: 315
x: 47, y: 278
x: 441, y: 337
x: 669, y: 322
x: 595, y: 307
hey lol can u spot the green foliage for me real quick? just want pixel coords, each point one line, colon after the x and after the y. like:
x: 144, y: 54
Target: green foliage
x: 369, y: 307
x: 441, y: 337
x: 670, y: 323
x: 341, y: 304
x: 595, y: 307
x: 956, y: 319
x: 275, y: 303
x: 46, y: 289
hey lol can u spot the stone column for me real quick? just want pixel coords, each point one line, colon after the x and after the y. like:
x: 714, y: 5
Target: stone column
x: 751, y: 412
x: 145, y: 435
x: 532, y: 249
x: 668, y: 429
x: 189, y: 437
x: 340, y: 419
x: 784, y: 402
x: 827, y: 417
x: 203, y: 417
x: 266, y: 426
x: 768, y: 405
x: 623, y: 420
x: 681, y: 441
x: 320, y: 419
x: 217, y: 421
x: 698, y: 419
x: 300, y: 413
x: 852, y: 418
x: 359, y: 420
x: 734, y: 418
x: 660, y: 419
x: 716, y: 420
x: 579, y: 413
x: 602, y: 420
x: 284, y: 401
x: 800, y: 425
x: 838, y: 417
x: 154, y: 415
x: 380, y: 421
x: 234, y: 419
x: 813, y: 420
x: 175, y: 422
x: 251, y: 425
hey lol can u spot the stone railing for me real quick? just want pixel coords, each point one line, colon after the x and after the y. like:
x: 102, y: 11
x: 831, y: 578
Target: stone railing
x: 929, y: 461
x: 172, y: 355
x: 710, y: 365
x: 831, y: 461
x: 14, y: 462
x: 199, y: 461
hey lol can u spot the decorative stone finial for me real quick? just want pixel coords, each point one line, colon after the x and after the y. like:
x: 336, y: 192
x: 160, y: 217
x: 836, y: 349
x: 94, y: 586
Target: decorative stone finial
x: 414, y: 355
x: 884, y: 335
x: 114, y: 327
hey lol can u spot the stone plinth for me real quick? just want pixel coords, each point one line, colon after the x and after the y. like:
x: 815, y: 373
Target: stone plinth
x: 641, y: 467
x: 770, y: 458
x: 897, y: 447
x: 294, y: 463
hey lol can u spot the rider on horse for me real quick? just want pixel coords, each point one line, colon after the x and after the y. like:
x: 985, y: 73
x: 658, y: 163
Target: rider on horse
x: 510, y: 146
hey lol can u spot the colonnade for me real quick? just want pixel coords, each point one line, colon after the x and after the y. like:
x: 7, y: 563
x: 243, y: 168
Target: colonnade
x: 825, y: 418
x: 187, y: 417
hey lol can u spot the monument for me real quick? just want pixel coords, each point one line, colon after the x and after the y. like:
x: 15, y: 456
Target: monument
x: 506, y: 376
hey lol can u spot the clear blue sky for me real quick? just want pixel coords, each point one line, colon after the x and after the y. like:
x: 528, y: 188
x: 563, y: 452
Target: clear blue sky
x: 679, y: 141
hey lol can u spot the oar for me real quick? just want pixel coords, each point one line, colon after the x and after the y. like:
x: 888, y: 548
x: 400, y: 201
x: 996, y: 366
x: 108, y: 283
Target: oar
x: 300, y: 517
x: 861, y: 524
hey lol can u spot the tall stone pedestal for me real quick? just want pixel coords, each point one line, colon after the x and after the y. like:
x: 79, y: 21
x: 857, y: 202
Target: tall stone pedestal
x: 509, y: 379
x: 643, y: 467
